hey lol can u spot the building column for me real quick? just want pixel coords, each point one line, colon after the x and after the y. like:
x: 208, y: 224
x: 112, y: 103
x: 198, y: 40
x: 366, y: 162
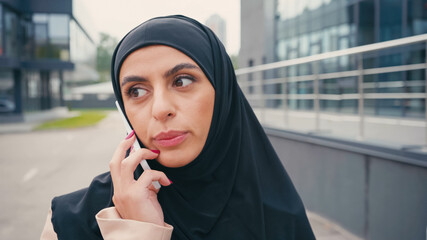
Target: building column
x: 45, y: 90
x: 61, y: 89
x: 17, y: 87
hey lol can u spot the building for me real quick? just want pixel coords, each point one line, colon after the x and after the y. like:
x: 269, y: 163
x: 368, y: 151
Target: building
x: 372, y: 96
x: 217, y: 24
x: 43, y: 45
x: 277, y: 30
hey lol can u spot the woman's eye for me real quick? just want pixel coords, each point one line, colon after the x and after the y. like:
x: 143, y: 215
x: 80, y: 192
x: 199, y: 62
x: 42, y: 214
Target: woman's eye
x: 137, y: 92
x: 182, y: 82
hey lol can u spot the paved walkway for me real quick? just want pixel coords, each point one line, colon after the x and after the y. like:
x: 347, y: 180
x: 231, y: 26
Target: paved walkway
x: 323, y: 228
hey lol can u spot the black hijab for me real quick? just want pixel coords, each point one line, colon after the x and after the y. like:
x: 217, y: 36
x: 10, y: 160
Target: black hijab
x: 237, y: 187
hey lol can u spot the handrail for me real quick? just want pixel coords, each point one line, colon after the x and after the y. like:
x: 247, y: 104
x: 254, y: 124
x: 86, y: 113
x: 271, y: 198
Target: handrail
x: 351, y: 73
x: 338, y: 53
x: 362, y: 88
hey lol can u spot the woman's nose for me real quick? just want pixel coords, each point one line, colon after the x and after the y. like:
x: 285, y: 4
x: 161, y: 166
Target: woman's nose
x: 163, y: 105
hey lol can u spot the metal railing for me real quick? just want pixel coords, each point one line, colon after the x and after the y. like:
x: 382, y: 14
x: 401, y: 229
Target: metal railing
x: 358, y: 56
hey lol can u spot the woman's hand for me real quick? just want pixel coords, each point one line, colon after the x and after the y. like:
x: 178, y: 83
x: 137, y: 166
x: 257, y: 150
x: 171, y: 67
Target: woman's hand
x: 136, y: 199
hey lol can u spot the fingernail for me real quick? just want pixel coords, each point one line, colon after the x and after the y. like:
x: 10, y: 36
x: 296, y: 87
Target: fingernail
x: 130, y: 134
x: 170, y: 181
x: 155, y: 151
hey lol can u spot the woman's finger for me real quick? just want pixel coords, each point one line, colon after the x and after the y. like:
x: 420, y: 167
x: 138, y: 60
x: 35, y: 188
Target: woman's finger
x: 129, y: 165
x: 119, y: 155
x: 149, y: 176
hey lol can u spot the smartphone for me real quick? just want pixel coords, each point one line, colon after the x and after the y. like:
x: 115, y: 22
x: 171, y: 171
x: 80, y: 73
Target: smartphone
x: 136, y: 145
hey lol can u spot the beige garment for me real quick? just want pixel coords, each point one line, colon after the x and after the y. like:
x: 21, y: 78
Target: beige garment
x: 113, y: 227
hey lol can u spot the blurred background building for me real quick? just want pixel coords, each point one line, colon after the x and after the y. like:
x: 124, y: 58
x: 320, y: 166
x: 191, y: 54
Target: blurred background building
x: 218, y: 25
x: 281, y: 30
x: 287, y: 29
x: 340, y: 87
x: 43, y: 45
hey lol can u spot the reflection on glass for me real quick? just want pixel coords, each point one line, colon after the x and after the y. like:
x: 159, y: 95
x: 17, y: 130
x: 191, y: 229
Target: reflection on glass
x: 414, y: 108
x: 27, y: 38
x: 11, y: 33
x: 281, y: 50
x: 417, y: 15
x: 309, y: 27
x: 304, y: 46
x: 390, y: 19
x: 31, y: 91
x: 389, y: 107
x: 1, y: 30
x: 55, y: 85
x: 58, y: 36
x: 348, y: 106
x: 7, y: 101
x: 82, y: 49
x: 304, y: 104
x: 52, y: 36
x: 41, y: 40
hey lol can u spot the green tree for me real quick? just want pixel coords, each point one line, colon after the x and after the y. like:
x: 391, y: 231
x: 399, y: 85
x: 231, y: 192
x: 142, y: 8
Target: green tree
x: 105, y: 51
x: 234, y: 61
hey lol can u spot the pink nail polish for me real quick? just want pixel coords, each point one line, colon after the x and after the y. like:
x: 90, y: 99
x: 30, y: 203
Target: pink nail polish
x: 155, y: 151
x: 170, y: 181
x: 130, y: 134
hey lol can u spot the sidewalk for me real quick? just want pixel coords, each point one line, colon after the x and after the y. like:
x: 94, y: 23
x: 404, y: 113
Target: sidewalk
x: 325, y: 229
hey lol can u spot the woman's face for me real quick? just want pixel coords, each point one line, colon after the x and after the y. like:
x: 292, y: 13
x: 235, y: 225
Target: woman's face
x: 169, y: 102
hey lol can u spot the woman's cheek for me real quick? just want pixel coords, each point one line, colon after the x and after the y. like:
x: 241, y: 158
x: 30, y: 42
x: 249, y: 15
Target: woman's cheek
x: 140, y: 124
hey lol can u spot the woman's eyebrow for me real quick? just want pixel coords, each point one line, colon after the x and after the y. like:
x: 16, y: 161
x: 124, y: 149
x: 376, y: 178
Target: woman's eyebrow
x: 179, y: 67
x: 128, y: 79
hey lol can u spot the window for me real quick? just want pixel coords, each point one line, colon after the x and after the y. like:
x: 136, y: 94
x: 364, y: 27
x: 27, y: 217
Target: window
x: 390, y: 19
x: 7, y: 96
x: 31, y: 91
x: 27, y: 32
x: 416, y: 17
x: 250, y: 76
x: 11, y: 33
x: 52, y: 36
x: 55, y: 88
x: 1, y: 30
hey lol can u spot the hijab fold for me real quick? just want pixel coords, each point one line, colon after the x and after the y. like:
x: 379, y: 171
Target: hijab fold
x: 237, y: 187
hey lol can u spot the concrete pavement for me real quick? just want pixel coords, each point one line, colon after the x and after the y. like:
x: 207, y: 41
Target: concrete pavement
x: 35, y: 166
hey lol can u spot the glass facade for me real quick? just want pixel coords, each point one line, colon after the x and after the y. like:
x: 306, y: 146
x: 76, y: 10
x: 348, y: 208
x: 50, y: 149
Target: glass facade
x: 82, y: 48
x: 38, y: 52
x: 308, y: 27
x: 27, y: 33
x: 51, y: 34
x: 55, y: 88
x: 11, y: 27
x: 7, y: 100
x: 1, y: 31
x: 416, y: 17
x: 31, y: 90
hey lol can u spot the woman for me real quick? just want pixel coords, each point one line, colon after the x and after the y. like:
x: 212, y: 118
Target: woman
x: 221, y: 177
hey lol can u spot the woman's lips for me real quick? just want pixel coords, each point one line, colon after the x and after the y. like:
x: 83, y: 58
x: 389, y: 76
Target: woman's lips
x: 169, y: 138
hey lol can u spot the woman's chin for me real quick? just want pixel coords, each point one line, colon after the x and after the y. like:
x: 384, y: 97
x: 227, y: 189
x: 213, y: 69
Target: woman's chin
x: 171, y: 159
